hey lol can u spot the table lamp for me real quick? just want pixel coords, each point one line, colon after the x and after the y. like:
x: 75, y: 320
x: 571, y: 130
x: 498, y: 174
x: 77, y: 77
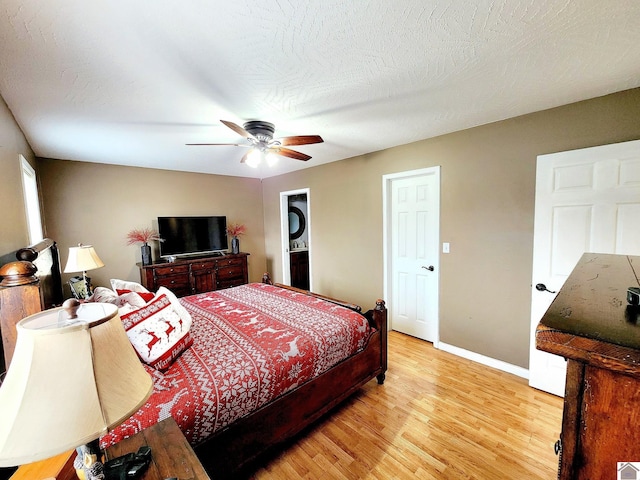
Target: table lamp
x: 81, y: 259
x: 73, y: 376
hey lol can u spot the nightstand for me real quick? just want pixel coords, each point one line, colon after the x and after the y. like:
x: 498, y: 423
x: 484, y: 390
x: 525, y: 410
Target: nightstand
x: 171, y: 454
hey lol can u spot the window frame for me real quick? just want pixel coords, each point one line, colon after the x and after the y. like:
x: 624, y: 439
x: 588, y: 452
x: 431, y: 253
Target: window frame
x: 31, y: 196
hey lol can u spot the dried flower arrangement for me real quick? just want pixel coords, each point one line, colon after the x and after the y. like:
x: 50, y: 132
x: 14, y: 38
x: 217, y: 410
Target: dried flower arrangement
x: 142, y: 235
x: 236, y: 229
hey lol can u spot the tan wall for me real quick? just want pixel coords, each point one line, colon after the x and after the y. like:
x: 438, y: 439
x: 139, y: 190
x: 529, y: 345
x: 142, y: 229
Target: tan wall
x: 487, y: 183
x: 98, y: 204
x: 14, y: 233
x: 487, y: 206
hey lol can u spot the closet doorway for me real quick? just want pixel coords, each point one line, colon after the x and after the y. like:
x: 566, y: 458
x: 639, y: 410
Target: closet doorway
x: 295, y: 221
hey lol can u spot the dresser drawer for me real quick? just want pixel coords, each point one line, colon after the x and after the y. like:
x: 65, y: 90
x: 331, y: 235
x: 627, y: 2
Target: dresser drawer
x: 231, y: 262
x: 203, y: 266
x: 178, y: 284
x: 159, y: 272
x: 225, y: 273
x: 222, y: 283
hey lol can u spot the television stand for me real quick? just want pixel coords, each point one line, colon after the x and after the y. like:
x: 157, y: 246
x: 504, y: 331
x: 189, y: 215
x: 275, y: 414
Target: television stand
x: 191, y: 275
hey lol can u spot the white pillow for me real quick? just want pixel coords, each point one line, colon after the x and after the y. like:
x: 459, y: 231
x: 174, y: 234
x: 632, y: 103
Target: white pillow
x: 106, y: 295
x: 175, y: 303
x: 126, y: 285
x: 133, y: 299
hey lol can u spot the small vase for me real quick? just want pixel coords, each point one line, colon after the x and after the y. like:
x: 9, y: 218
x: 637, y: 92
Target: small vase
x: 146, y: 254
x: 235, y: 245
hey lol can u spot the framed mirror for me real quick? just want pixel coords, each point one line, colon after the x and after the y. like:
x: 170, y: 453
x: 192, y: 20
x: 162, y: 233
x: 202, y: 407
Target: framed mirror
x: 296, y: 222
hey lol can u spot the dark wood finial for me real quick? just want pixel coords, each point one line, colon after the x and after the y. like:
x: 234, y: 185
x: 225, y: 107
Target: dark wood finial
x: 71, y: 307
x: 17, y: 273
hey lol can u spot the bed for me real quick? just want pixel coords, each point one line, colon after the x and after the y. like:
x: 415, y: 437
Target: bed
x: 258, y: 408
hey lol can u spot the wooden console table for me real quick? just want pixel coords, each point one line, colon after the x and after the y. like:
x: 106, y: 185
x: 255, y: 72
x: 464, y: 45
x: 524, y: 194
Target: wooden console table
x: 591, y: 324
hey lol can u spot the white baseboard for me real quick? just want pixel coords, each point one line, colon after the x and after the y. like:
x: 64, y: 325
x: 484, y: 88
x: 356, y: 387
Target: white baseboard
x: 488, y: 361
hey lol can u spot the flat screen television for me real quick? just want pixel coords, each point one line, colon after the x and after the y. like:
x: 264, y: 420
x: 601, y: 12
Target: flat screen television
x: 184, y: 236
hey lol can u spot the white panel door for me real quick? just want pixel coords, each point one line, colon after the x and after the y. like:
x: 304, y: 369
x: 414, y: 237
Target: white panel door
x: 587, y: 200
x: 415, y: 254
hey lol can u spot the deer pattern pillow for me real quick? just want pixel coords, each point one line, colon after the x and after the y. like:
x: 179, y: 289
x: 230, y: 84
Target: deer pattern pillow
x: 158, y: 332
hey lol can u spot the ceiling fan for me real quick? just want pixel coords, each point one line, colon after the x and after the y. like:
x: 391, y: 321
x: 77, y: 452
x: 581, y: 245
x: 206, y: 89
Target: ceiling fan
x: 263, y: 145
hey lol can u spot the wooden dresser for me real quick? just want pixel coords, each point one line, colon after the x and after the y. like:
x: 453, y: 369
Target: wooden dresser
x: 591, y: 324
x: 188, y: 276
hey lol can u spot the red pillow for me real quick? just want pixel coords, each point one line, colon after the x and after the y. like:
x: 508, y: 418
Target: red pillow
x: 146, y: 296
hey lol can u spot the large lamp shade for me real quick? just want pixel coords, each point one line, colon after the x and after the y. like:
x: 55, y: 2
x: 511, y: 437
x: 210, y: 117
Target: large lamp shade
x: 82, y: 258
x: 70, y: 380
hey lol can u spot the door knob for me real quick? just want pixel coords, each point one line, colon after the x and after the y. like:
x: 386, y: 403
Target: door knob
x: 430, y: 268
x: 541, y: 287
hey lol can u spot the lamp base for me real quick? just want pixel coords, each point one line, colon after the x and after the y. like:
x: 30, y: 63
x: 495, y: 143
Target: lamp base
x: 88, y: 462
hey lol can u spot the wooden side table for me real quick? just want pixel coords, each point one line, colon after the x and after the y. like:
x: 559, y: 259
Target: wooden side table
x: 171, y: 454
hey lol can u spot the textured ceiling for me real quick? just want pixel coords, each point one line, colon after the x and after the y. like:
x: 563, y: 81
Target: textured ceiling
x: 129, y: 82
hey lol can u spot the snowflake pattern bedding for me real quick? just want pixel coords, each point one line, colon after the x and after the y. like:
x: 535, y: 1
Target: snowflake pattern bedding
x: 251, y: 344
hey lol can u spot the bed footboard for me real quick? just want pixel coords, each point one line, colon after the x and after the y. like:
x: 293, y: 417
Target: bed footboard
x: 230, y: 451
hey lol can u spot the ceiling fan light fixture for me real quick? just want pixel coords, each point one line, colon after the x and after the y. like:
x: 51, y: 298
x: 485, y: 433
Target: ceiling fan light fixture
x: 271, y: 159
x: 263, y: 146
x: 263, y: 131
x: 254, y: 158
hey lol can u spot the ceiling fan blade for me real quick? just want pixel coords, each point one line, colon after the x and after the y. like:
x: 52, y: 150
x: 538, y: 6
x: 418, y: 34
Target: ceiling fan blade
x: 224, y: 144
x: 300, y: 140
x: 238, y: 129
x: 287, y: 152
x: 244, y: 157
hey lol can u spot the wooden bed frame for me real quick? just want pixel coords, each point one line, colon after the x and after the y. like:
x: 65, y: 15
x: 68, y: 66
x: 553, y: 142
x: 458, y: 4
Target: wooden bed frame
x: 238, y: 447
x: 233, y: 451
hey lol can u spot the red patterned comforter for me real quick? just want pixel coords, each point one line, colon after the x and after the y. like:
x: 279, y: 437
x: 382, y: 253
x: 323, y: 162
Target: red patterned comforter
x: 251, y: 344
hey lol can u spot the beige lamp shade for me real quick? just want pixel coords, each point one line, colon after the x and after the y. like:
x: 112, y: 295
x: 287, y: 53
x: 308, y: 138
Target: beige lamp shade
x: 82, y: 258
x: 70, y: 380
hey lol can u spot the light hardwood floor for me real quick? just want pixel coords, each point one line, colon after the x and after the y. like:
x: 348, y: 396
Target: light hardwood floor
x: 437, y: 416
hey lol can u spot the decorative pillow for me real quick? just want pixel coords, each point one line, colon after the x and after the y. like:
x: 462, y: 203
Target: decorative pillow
x: 158, y: 332
x: 126, y: 308
x: 175, y: 303
x: 126, y: 285
x: 106, y: 295
x: 103, y: 295
x: 146, y: 296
